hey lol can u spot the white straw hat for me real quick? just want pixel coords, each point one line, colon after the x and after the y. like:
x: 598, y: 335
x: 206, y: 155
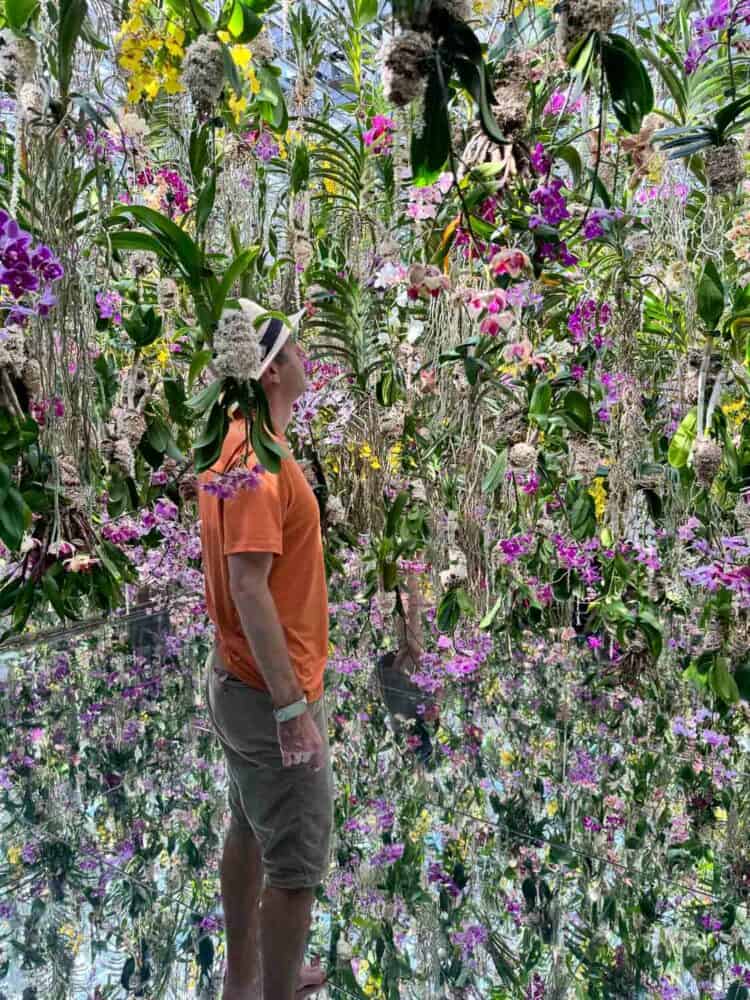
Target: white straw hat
x: 272, y: 335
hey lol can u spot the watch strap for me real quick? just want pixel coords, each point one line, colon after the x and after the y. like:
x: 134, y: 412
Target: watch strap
x: 290, y: 711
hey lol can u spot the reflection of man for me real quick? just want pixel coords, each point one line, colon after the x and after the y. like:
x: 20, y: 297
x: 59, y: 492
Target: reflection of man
x: 401, y: 695
x: 266, y: 593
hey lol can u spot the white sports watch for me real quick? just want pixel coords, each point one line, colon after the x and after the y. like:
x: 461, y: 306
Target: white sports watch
x: 291, y: 711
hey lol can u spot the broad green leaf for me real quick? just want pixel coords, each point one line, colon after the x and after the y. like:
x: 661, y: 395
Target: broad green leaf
x: 682, y: 443
x: 206, y: 398
x: 18, y: 12
x: 184, y: 249
x: 207, y: 448
x: 722, y: 683
x: 394, y: 514
x: 491, y: 614
x: 236, y: 269
x: 578, y: 411
x: 300, y: 168
x: 473, y: 76
x: 629, y: 84
x: 15, y: 517
x: 710, y: 296
x: 494, y: 477
x: 244, y: 24
x: 205, y: 202
x: 430, y: 150
x: 72, y: 14
x: 541, y: 400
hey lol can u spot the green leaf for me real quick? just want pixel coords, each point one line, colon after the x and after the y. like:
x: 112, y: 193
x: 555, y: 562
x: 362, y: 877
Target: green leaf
x: 72, y: 15
x: 205, y: 202
x: 135, y: 240
x: 682, y: 443
x: 629, y: 84
x: 184, y: 249
x: 448, y: 612
x: 15, y: 517
x: 300, y: 168
x: 473, y: 76
x: 207, y: 448
x: 266, y: 450
x: 578, y: 411
x: 236, y: 269
x: 722, y: 683
x: 431, y: 149
x: 742, y: 680
x: 572, y: 157
x: 275, y: 113
x: 394, y: 514
x: 143, y: 326
x: 4, y: 480
x: 494, y: 477
x: 365, y: 11
x: 244, y: 24
x: 710, y: 295
x: 18, y: 12
x: 206, y: 398
x: 725, y: 116
x: 491, y: 614
x: 541, y: 400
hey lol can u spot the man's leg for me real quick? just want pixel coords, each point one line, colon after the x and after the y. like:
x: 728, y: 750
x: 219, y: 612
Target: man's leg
x: 284, y: 924
x: 241, y: 884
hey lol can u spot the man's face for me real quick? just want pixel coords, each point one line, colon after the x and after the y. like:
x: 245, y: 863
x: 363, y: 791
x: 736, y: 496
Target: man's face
x: 294, y: 377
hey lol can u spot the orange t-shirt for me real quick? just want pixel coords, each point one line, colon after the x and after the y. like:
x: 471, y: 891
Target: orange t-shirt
x: 281, y: 516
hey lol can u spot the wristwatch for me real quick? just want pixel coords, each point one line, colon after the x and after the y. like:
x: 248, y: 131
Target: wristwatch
x: 291, y: 711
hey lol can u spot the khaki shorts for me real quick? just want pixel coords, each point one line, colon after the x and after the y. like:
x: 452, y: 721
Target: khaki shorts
x: 289, y: 809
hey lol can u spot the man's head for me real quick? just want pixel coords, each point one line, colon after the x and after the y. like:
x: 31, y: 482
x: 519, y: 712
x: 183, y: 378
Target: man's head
x: 284, y: 379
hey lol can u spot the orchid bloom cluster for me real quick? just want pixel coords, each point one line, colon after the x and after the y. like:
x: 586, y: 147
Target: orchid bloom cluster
x: 229, y: 484
x: 495, y: 307
x: 425, y: 201
x: 379, y: 137
x: 426, y: 281
x: 710, y: 31
x: 25, y: 271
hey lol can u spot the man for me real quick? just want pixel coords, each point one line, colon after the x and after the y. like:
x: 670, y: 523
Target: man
x: 266, y: 593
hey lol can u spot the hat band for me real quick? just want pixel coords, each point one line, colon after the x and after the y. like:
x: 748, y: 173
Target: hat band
x: 271, y: 333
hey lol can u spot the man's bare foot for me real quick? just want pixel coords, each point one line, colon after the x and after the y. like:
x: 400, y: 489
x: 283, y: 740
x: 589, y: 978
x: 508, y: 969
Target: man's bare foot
x: 311, y: 979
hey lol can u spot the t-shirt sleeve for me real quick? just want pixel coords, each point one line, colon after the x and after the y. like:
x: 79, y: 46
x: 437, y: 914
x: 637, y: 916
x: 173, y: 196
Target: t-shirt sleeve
x: 254, y: 517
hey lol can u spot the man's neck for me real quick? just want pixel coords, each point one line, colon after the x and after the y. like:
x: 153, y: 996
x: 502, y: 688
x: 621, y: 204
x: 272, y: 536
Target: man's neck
x: 281, y: 414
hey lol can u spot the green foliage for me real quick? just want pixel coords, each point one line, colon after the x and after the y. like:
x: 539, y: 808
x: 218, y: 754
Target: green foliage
x: 629, y: 85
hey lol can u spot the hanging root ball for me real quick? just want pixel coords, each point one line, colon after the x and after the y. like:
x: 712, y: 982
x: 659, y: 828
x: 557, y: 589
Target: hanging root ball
x: 203, y: 71
x: 577, y: 18
x: 522, y: 456
x: 17, y: 58
x: 169, y: 294
x: 133, y: 427
x: 123, y: 457
x: 706, y: 460
x: 511, y: 96
x: 458, y: 9
x: 404, y: 67
x: 238, y: 353
x: 725, y: 167
x: 32, y: 378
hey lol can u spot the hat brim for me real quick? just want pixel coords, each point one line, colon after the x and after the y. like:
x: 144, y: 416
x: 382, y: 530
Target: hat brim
x: 282, y: 338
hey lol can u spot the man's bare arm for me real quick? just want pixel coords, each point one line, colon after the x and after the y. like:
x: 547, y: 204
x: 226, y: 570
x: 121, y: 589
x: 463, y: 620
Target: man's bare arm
x: 248, y: 585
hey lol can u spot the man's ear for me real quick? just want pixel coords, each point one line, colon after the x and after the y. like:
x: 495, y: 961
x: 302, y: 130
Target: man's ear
x: 270, y: 376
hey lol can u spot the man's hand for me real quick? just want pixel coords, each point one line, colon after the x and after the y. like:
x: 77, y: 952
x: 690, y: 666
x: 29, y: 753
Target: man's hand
x: 300, y: 742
